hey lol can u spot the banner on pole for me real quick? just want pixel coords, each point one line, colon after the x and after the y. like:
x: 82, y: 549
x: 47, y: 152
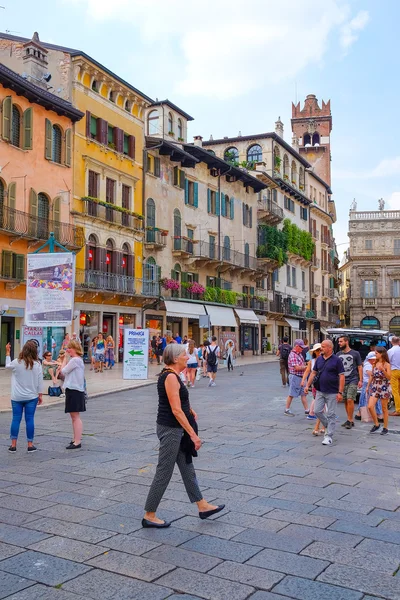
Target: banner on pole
x: 50, y: 285
x: 136, y: 353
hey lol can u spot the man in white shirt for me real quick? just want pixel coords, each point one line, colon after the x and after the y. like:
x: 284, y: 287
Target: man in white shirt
x: 212, y: 356
x: 394, y: 357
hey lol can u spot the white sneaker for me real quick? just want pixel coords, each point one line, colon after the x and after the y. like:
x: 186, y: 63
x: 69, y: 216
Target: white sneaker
x: 288, y: 413
x: 327, y: 441
x: 213, y: 384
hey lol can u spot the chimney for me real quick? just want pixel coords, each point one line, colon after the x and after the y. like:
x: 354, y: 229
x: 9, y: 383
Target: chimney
x: 35, y: 62
x: 295, y: 142
x: 279, y: 127
x: 198, y: 140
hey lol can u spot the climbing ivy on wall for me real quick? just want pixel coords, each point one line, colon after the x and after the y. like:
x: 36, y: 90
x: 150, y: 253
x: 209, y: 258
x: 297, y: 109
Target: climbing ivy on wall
x: 275, y: 244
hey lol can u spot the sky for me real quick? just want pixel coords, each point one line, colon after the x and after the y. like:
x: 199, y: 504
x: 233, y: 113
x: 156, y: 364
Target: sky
x: 237, y: 66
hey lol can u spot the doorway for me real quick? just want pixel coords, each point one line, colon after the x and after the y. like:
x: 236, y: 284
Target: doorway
x: 7, y: 335
x: 108, y: 324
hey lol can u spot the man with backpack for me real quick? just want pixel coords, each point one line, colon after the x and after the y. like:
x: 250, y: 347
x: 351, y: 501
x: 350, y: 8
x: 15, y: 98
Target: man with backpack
x: 284, y: 350
x: 212, y: 355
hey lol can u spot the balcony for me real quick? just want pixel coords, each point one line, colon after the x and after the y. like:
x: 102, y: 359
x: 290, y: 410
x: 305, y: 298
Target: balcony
x: 182, y: 246
x: 112, y: 214
x: 315, y: 263
x: 325, y: 267
x: 334, y: 294
x: 326, y: 241
x: 396, y: 302
x: 114, y: 283
x: 256, y: 303
x: 21, y: 224
x: 269, y: 211
x: 370, y: 302
x: 315, y: 235
x: 315, y: 290
x: 155, y: 239
x: 325, y: 292
x: 204, y: 253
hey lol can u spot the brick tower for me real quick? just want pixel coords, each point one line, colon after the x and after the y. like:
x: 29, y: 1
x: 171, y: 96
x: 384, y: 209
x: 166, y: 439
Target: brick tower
x: 312, y: 126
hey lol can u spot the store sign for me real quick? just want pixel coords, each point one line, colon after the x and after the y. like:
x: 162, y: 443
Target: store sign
x: 136, y: 353
x: 33, y: 333
x: 50, y: 289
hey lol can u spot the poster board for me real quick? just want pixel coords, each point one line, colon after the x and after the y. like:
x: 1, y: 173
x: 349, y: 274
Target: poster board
x: 136, y: 353
x: 33, y: 333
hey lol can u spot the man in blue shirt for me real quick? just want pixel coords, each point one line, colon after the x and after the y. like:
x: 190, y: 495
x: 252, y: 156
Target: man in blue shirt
x: 330, y: 388
x: 178, y: 339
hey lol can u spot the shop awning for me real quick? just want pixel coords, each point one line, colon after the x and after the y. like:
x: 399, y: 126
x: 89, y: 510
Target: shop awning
x: 262, y: 319
x: 293, y: 323
x: 248, y: 317
x: 324, y: 331
x: 184, y: 309
x: 221, y: 316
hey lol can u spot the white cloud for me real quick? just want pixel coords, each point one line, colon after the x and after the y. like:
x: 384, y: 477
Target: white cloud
x: 387, y: 167
x: 225, y: 49
x: 394, y: 201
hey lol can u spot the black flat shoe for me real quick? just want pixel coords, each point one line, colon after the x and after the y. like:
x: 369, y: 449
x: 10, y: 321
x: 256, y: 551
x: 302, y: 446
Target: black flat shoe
x: 73, y: 446
x: 207, y: 513
x: 147, y: 523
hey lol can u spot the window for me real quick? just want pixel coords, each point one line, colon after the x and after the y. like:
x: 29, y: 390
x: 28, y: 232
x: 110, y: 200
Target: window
x: 369, y: 289
x: 303, y: 213
x: 323, y: 308
x: 110, y: 136
x: 111, y: 96
x: 91, y: 258
x: 177, y: 229
x: 306, y: 139
x: 212, y: 202
x: 16, y: 127
x: 288, y: 273
x: 294, y: 277
x: 285, y: 167
x: 12, y: 266
x: 93, y: 127
x: 397, y: 247
x: 110, y: 198
x: 151, y: 277
x: 95, y: 85
x: 301, y: 178
x: 110, y: 256
x: 293, y: 173
x: 229, y: 207
x: 368, y: 244
x: 43, y: 216
x: 1, y: 200
x: 190, y: 235
x: 153, y: 165
x: 179, y: 178
x: 226, y: 250
x: 128, y: 106
x: 152, y: 123
x: 211, y: 242
x: 254, y: 153
x: 192, y: 193
x: 275, y: 276
x: 247, y: 215
x: 277, y: 159
x: 247, y: 255
x: 150, y: 220
x: 93, y: 191
x: 57, y: 142
x: 303, y: 281
x: 127, y: 261
x: 170, y: 124
x: 231, y: 155
x: 288, y: 203
x: 180, y: 130
x: 315, y: 138
x: 126, y: 203
x: 396, y: 288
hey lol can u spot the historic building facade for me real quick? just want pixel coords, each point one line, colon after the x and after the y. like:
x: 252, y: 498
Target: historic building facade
x: 372, y: 270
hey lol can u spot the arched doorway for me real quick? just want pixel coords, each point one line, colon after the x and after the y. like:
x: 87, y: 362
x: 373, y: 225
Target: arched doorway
x: 151, y: 278
x: 394, y: 326
x: 370, y: 323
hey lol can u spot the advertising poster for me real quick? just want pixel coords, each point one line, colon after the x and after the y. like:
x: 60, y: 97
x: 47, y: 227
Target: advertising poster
x: 33, y: 333
x: 50, y: 289
x: 136, y: 353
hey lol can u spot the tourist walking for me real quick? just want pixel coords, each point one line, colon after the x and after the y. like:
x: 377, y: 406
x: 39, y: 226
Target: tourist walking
x: 378, y: 388
x: 192, y: 363
x: 99, y: 353
x: 229, y: 355
x: 297, y: 366
x: 394, y: 357
x: 353, y: 373
x: 26, y: 391
x: 283, y: 352
x: 328, y: 378
x: 92, y: 353
x: 176, y: 427
x: 75, y: 397
x: 315, y: 352
x: 110, y: 351
x: 212, y: 355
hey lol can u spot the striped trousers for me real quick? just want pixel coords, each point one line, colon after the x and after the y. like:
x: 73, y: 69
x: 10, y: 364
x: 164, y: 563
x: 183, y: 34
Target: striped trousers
x: 169, y: 454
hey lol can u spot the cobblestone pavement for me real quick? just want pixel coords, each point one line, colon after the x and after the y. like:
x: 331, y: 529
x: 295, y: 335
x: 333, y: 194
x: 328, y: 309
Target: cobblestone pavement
x: 302, y: 521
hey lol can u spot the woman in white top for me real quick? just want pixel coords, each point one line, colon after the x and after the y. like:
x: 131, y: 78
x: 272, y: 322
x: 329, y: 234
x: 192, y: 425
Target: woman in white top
x: 192, y: 363
x: 26, y: 384
x: 74, y: 385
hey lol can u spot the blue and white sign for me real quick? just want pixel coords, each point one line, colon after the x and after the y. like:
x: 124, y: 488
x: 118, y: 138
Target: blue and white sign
x: 136, y: 353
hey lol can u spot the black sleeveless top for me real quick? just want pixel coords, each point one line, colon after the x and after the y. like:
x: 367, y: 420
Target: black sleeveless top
x: 165, y: 415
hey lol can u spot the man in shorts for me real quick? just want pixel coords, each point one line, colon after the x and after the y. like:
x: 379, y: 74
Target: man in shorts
x: 297, y: 366
x: 212, y: 355
x: 353, y: 373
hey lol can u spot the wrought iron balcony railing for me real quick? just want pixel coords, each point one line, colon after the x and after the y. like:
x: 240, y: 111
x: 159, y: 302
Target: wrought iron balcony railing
x: 112, y: 214
x: 113, y: 282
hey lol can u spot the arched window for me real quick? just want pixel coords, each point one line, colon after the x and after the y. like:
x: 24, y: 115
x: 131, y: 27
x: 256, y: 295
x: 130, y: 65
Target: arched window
x: 95, y: 85
x: 293, y: 173
x: 170, y: 124
x: 286, y: 167
x: 92, y: 257
x: 277, y: 159
x: 177, y: 230
x: 246, y: 255
x: 43, y: 216
x: 150, y: 220
x: 231, y: 155
x: 301, y: 178
x: 394, y: 325
x: 110, y: 256
x: 15, y: 126
x: 57, y: 144
x: 127, y: 261
x: 151, y: 277
x: 111, y: 96
x: 211, y: 152
x: 176, y: 272
x: 373, y: 323
x: 254, y: 153
x: 128, y: 106
x: 152, y: 123
x: 226, y: 250
x: 315, y: 138
x: 306, y: 139
x: 180, y: 130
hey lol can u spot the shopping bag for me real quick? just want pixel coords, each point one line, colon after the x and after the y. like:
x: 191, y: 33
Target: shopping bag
x: 198, y: 374
x: 365, y: 415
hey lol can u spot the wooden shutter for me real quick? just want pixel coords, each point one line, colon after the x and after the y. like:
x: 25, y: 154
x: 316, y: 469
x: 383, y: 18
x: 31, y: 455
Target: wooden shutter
x: 182, y: 179
x: 232, y: 208
x: 251, y: 291
x: 33, y: 211
x: 88, y: 123
x: 101, y: 259
x: 184, y: 277
x: 244, y: 213
x: 208, y: 200
x: 223, y: 205
x: 187, y: 191
x: 251, y: 217
x: 6, y: 126
x: 118, y: 139
x: 217, y: 203
x: 68, y: 147
x: 48, y: 149
x: 196, y: 195
x: 176, y: 176
x: 27, y: 129
x: 12, y: 190
x: 131, y: 146
x: 157, y: 163
x: 195, y: 277
x: 115, y: 262
x: 19, y: 264
x: 7, y: 264
x: 102, y: 131
x: 56, y: 217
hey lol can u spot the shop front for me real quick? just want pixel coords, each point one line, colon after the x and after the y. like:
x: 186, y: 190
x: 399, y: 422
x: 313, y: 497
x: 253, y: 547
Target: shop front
x: 10, y: 330
x: 249, y: 331
x: 183, y: 318
x: 223, y: 325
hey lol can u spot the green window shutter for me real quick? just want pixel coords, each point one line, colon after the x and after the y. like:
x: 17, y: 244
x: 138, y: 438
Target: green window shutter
x: 196, y: 195
x: 184, y: 277
x: 232, y: 208
x: 182, y: 179
x: 217, y: 204
x: 157, y: 170
x: 173, y: 274
x: 186, y: 191
x: 7, y: 263
x: 251, y: 291
x: 48, y: 149
x: 176, y: 176
x: 12, y: 192
x: 28, y: 125
x: 251, y: 217
x: 196, y: 277
x: 223, y: 205
x: 218, y: 282
x: 33, y: 203
x: 208, y: 282
x: 19, y: 263
x: 56, y: 209
x: 6, y: 126
x: 68, y: 147
x: 208, y: 200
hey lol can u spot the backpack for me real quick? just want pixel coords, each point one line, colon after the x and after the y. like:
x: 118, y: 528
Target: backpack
x: 212, y: 356
x: 285, y: 351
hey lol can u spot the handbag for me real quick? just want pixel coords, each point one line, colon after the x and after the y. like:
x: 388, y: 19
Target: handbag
x: 54, y: 391
x: 317, y: 378
x: 365, y: 414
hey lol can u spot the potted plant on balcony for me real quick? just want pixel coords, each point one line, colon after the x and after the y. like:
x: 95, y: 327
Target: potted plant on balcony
x: 196, y: 289
x: 180, y: 139
x: 170, y: 284
x: 164, y: 232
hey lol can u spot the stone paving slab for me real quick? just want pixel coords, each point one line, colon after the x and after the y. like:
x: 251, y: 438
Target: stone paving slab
x: 19, y: 536
x: 226, y: 549
x: 130, y: 565
x: 42, y: 592
x: 69, y: 549
x: 181, y: 557
x: 7, y: 550
x: 42, y: 567
x: 12, y: 583
x: 251, y: 575
x: 76, y: 531
x: 206, y: 586
x: 364, y: 580
x: 285, y: 562
x: 304, y: 589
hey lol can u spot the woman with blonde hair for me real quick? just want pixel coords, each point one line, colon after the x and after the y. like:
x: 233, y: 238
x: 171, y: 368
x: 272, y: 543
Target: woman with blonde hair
x: 26, y: 394
x: 378, y: 388
x: 99, y: 353
x: 192, y: 364
x: 75, y: 401
x: 110, y: 346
